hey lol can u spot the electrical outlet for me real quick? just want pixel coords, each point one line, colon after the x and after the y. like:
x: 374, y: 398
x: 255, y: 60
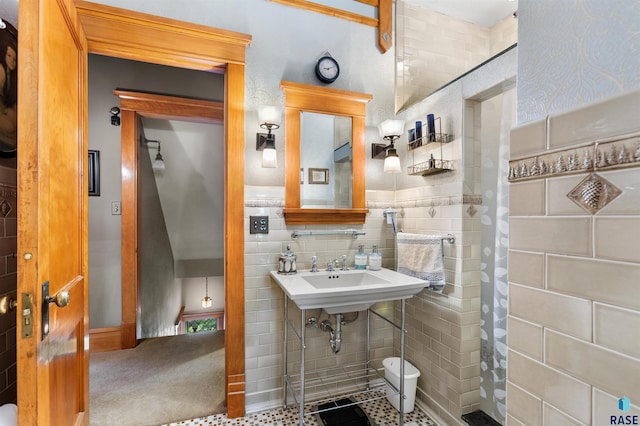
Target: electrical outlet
x: 259, y: 224
x: 116, y: 208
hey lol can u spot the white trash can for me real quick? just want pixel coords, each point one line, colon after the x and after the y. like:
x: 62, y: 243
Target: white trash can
x: 392, y: 374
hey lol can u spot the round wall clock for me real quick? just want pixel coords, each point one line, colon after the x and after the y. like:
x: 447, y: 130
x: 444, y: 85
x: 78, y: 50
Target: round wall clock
x: 327, y: 69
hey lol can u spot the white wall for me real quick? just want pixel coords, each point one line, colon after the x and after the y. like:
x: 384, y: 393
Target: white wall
x: 574, y: 52
x: 191, y: 186
x: 193, y: 290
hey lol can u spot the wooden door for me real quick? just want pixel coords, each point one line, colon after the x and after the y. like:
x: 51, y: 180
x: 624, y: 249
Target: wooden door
x: 53, y: 385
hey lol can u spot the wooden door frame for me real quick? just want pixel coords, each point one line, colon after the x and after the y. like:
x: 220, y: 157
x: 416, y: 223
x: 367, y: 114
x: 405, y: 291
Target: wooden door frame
x: 132, y: 105
x: 137, y: 36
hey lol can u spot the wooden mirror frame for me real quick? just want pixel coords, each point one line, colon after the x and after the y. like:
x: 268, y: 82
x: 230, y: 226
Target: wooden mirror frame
x: 303, y: 97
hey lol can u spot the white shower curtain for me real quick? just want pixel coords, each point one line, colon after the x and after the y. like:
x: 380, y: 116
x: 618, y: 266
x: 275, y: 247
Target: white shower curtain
x: 495, y: 229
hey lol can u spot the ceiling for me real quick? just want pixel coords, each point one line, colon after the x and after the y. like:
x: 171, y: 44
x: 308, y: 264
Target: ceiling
x: 485, y: 13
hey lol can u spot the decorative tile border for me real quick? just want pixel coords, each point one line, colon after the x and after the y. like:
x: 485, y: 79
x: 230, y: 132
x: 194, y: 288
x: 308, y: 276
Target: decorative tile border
x: 454, y: 200
x: 609, y: 154
x: 264, y: 202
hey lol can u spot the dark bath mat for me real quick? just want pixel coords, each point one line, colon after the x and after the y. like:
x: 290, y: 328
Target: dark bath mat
x: 345, y: 416
x: 479, y: 418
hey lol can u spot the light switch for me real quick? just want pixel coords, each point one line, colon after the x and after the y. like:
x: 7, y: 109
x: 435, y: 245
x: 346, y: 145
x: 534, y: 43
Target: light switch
x: 259, y: 224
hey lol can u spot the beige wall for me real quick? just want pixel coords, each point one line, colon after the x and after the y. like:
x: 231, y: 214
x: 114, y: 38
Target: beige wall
x: 574, y: 298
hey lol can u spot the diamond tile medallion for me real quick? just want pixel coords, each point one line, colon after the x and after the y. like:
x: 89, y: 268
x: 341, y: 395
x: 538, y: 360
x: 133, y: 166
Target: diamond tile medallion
x: 593, y: 193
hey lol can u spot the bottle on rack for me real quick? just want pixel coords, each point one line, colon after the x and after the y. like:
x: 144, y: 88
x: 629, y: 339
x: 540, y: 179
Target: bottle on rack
x: 431, y: 127
x: 375, y: 259
x: 432, y: 162
x: 361, y: 258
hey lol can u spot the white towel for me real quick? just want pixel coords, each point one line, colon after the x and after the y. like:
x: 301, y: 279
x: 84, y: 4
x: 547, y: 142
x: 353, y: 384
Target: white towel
x: 420, y: 256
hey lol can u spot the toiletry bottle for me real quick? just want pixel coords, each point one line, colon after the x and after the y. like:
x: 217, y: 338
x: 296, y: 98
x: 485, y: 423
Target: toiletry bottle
x: 432, y: 162
x: 375, y: 259
x: 361, y: 258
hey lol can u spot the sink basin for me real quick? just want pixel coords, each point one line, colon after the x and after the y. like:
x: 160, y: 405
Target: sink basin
x: 347, y: 291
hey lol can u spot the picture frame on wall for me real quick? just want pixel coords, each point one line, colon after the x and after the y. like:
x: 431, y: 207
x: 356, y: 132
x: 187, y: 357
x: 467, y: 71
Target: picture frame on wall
x: 8, y: 92
x: 94, y: 173
x: 318, y: 176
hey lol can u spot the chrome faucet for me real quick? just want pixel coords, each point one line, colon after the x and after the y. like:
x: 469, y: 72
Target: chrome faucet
x: 314, y: 263
x: 331, y: 264
x: 344, y: 263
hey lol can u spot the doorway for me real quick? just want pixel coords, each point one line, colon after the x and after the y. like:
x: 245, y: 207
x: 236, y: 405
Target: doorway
x: 491, y: 115
x: 172, y: 204
x: 100, y: 31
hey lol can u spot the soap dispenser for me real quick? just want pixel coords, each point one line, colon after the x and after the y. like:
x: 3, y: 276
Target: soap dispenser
x: 375, y: 259
x: 361, y: 258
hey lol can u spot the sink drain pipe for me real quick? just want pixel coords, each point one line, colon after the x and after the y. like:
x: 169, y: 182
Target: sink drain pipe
x: 335, y: 336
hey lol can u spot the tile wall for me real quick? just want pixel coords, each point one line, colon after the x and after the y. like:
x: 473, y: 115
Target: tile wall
x: 8, y: 282
x: 445, y: 46
x: 574, y: 271
x: 264, y: 300
x: 443, y: 330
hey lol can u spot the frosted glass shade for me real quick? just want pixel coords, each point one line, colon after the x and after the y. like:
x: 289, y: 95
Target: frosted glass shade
x: 269, y: 114
x: 158, y: 163
x: 391, y: 128
x: 392, y: 163
x: 206, y: 302
x: 269, y: 158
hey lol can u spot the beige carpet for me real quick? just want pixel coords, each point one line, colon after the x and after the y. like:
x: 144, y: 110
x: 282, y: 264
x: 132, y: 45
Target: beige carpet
x: 162, y: 380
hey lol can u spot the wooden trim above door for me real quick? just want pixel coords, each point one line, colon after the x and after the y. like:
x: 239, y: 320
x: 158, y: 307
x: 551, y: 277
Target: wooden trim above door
x: 133, y: 35
x: 142, y: 37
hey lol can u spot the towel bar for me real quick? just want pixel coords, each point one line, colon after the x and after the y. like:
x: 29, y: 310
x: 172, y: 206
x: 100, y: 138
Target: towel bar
x: 450, y: 238
x: 353, y: 232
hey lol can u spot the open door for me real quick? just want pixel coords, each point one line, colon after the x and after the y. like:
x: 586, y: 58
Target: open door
x: 55, y: 37
x: 53, y: 386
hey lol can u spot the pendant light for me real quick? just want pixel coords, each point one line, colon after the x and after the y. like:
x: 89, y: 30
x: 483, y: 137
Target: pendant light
x: 206, y: 300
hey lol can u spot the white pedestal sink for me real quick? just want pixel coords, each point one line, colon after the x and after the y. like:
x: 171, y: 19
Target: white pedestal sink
x: 347, y: 291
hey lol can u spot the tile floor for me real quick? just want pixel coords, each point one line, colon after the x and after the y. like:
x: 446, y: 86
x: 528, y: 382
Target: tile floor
x: 379, y: 410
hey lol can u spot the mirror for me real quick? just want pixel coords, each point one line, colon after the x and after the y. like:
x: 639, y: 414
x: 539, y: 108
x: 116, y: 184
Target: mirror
x: 326, y: 170
x: 323, y: 128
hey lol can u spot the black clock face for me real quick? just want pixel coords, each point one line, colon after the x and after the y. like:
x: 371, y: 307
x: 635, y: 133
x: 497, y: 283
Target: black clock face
x: 327, y: 69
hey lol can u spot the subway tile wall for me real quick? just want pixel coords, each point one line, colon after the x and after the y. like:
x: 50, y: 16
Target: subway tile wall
x: 8, y: 283
x: 442, y: 340
x: 452, y: 47
x: 574, y: 290
x: 264, y: 300
x: 443, y: 330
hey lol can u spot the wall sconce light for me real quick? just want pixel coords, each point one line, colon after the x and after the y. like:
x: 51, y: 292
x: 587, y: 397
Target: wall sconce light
x: 158, y: 163
x: 266, y: 142
x: 206, y: 300
x: 390, y: 130
x: 115, y: 116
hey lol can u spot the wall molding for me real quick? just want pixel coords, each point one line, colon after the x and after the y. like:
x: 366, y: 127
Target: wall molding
x: 599, y: 155
x: 105, y: 339
x: 454, y: 200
